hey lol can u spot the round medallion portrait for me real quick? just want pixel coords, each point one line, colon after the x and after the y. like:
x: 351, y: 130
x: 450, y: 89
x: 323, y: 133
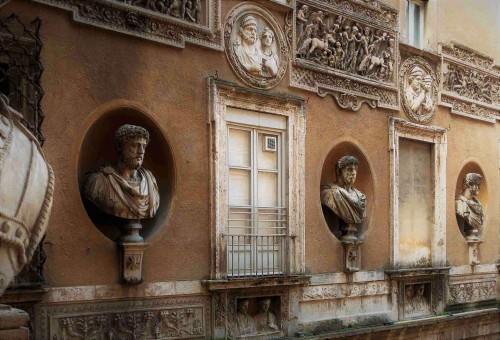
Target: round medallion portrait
x: 255, y: 46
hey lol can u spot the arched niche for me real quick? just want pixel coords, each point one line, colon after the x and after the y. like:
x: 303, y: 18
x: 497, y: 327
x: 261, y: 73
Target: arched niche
x: 364, y: 183
x: 98, y: 149
x: 472, y: 166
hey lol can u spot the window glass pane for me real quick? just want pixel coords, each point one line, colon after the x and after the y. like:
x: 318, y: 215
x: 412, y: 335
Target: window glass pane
x: 268, y: 189
x: 266, y: 159
x: 415, y: 201
x: 416, y: 25
x: 239, y: 187
x: 239, y: 148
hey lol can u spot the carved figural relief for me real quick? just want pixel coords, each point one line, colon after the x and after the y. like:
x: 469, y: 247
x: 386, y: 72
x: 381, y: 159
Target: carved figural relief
x: 468, y: 208
x: 416, y: 301
x: 125, y: 189
x: 471, y: 84
x: 262, y: 323
x: 419, y: 89
x: 26, y: 191
x: 337, y: 42
x: 346, y: 202
x: 171, y: 22
x: 255, y: 46
x: 347, y: 49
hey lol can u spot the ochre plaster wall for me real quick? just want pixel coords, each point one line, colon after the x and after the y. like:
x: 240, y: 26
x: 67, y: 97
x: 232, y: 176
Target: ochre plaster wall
x: 87, y: 67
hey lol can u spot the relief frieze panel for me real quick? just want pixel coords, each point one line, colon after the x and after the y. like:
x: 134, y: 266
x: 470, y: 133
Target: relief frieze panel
x: 170, y: 318
x: 466, y: 292
x: 171, y: 22
x: 347, y: 49
x: 471, y: 83
x: 341, y: 291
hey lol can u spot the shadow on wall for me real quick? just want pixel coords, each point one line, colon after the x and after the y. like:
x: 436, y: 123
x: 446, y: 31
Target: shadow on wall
x: 364, y: 183
x: 98, y: 149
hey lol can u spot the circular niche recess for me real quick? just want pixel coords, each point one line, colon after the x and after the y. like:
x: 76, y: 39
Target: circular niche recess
x: 364, y: 183
x: 98, y: 149
x: 482, y: 196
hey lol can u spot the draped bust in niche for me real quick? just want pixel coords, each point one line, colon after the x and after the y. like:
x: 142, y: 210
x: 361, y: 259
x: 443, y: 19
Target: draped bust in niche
x: 468, y: 208
x: 125, y: 189
x: 346, y: 202
x: 244, y: 325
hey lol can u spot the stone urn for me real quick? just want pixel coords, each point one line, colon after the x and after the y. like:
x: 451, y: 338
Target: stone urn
x: 26, y: 189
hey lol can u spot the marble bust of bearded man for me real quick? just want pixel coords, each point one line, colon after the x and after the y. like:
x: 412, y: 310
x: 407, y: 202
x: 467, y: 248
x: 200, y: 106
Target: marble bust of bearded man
x: 125, y: 189
x: 348, y: 203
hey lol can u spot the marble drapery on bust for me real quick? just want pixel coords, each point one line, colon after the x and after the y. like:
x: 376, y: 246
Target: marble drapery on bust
x: 348, y: 203
x: 125, y: 190
x: 468, y: 208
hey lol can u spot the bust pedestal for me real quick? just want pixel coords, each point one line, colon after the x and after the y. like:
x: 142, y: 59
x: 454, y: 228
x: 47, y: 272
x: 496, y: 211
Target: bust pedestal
x: 131, y: 256
x: 13, y: 323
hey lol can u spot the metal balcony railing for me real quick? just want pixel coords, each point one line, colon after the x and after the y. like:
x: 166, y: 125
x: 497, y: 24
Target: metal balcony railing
x: 257, y: 241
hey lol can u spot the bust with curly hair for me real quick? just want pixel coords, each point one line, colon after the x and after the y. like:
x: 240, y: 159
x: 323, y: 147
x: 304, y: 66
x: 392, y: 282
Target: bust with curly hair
x: 125, y: 189
x: 346, y: 202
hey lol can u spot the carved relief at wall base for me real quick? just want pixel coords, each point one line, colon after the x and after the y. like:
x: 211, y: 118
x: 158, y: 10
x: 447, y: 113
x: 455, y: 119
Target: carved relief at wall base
x: 168, y: 318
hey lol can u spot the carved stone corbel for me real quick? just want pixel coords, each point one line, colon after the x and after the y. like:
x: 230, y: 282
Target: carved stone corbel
x: 131, y: 258
x: 348, y: 100
x: 474, y: 252
x: 352, y: 256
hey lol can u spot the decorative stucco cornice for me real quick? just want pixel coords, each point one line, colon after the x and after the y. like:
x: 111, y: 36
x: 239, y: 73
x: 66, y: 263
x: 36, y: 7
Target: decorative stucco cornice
x: 163, y: 26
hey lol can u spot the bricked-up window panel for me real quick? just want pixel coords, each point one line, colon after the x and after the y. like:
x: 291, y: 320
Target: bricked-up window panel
x: 21, y: 69
x: 415, y: 202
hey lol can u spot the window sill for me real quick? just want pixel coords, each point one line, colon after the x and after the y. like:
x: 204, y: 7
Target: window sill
x: 257, y: 282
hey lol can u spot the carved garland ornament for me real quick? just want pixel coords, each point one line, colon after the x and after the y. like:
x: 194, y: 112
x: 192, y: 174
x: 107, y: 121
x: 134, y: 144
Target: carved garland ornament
x: 168, y: 22
x: 255, y: 46
x: 418, y: 85
x: 339, y: 48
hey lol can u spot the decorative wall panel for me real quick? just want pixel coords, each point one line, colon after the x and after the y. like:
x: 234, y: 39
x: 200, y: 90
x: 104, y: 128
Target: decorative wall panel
x: 471, y: 288
x: 471, y: 84
x: 167, y: 318
x: 348, y: 49
x: 169, y: 22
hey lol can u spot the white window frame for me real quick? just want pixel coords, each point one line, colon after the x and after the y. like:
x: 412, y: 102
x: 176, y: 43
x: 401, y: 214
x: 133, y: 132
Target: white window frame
x: 222, y: 96
x: 275, y: 252
x: 436, y: 136
x: 410, y: 24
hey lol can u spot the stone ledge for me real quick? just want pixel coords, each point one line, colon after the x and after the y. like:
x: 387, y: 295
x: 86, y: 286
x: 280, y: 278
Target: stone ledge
x: 254, y: 282
x: 419, y: 329
x: 416, y: 272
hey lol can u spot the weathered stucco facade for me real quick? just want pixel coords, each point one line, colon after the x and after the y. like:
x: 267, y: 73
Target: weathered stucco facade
x: 108, y: 63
